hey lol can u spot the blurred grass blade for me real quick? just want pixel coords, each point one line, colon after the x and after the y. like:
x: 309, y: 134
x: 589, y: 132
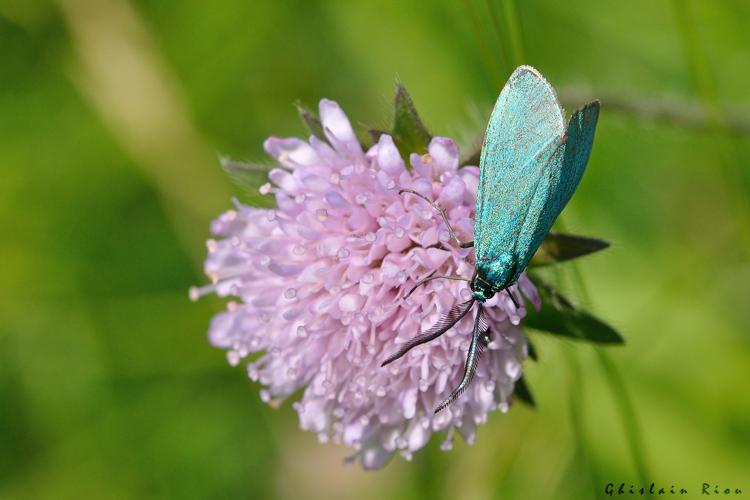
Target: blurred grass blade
x: 489, y: 60
x: 617, y: 387
x: 142, y: 105
x: 559, y: 316
x: 523, y: 393
x: 514, y: 31
x: 704, y: 80
x: 311, y: 121
x: 559, y: 247
x: 505, y: 59
x: 409, y: 133
x: 628, y: 414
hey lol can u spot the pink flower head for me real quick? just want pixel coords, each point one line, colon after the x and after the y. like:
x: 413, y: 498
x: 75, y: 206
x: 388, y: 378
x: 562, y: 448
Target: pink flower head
x: 319, y: 283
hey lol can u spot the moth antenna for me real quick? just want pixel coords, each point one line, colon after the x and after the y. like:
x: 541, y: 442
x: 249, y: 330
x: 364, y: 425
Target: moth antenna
x: 443, y: 214
x: 430, y: 277
x: 420, y: 283
x: 443, y: 325
x: 484, y: 325
x: 472, y: 358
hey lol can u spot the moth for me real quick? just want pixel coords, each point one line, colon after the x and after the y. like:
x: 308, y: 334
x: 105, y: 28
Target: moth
x: 530, y: 165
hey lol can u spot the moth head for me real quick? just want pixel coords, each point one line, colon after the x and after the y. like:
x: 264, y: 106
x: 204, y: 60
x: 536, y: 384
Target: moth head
x: 481, y: 291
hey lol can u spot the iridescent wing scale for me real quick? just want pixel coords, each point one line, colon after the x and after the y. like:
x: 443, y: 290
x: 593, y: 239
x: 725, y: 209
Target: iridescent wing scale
x: 529, y: 167
x: 525, y: 119
x: 563, y: 170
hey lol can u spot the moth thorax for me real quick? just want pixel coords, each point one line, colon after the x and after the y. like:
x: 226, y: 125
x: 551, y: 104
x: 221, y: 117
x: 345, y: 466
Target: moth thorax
x: 497, y: 273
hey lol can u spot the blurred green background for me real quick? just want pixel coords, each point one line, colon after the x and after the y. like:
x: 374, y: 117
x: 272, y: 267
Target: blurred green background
x: 112, y: 116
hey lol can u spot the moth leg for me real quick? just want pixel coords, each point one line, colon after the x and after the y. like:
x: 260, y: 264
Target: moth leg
x: 443, y: 325
x: 515, y: 302
x: 430, y: 277
x: 479, y: 340
x: 442, y: 213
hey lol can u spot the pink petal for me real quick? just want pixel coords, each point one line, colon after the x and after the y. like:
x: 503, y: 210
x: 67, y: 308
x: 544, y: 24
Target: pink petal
x: 389, y: 159
x: 290, y: 152
x: 444, y: 153
x: 337, y: 128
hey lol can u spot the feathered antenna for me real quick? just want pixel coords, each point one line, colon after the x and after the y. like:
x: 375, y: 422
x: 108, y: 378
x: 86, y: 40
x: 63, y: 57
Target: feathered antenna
x: 479, y: 340
x: 443, y: 325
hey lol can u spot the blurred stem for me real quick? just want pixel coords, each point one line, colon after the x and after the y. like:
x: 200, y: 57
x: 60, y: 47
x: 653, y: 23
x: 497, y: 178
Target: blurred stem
x: 697, y: 65
x: 576, y: 416
x: 682, y: 113
x: 514, y: 30
x: 615, y: 381
x: 627, y: 409
x: 703, y: 80
x: 506, y: 57
x: 496, y: 77
x: 117, y: 67
x: 575, y: 401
